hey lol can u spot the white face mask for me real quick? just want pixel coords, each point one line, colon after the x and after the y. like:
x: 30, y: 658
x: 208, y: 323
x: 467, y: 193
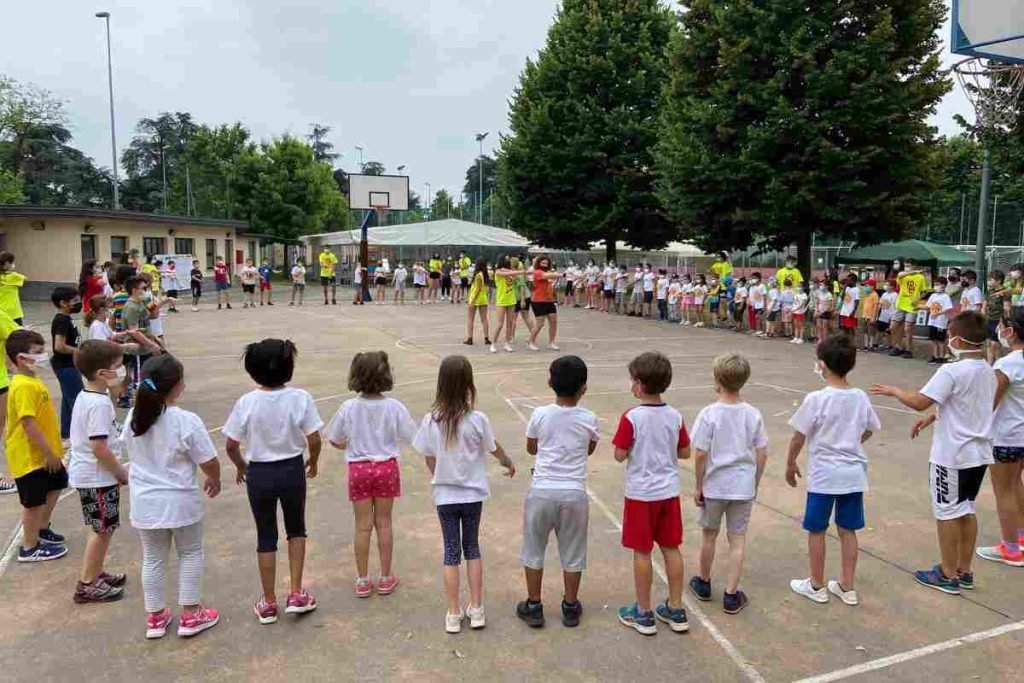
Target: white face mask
x: 35, y: 359
x: 940, y: 288
x: 819, y: 370
x: 1003, y: 340
x: 957, y: 352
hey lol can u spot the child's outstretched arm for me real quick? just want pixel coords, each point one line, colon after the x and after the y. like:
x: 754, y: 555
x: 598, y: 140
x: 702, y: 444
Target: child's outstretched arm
x: 503, y: 460
x: 234, y: 450
x: 911, y: 399
x: 314, y: 443
x: 796, y: 444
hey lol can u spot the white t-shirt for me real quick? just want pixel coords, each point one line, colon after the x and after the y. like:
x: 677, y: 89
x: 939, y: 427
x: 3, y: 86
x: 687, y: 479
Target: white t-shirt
x: 357, y: 275
x: 620, y: 281
x: 699, y: 292
x: 823, y: 301
x: 971, y: 299
x: 460, y: 470
x: 652, y: 434
x: 673, y: 292
x: 757, y: 294
x: 774, y: 303
x: 299, y: 274
x: 169, y: 280
x: 162, y: 477
x: 965, y: 391
x: 730, y: 433
x: 800, y: 303
x: 593, y: 272
x: 850, y: 297
x: 939, y: 302
x: 649, y: 282
x: 373, y: 428
x: 273, y: 424
x: 99, y: 329
x: 740, y: 295
x: 401, y: 275
x: 563, y: 441
x: 92, y: 419
x: 1008, y: 422
x: 887, y: 306
x: 662, y: 287
x: 248, y: 276
x: 609, y: 278
x: 419, y: 276
x: 834, y: 421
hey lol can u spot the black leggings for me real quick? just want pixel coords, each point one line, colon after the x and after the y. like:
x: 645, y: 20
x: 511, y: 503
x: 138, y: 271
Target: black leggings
x: 460, y: 519
x: 270, y: 482
x: 446, y: 285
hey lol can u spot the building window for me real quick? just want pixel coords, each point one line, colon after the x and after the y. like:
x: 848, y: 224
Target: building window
x: 252, y: 250
x: 211, y: 253
x: 119, y: 249
x: 184, y: 245
x: 154, y: 245
x: 88, y: 247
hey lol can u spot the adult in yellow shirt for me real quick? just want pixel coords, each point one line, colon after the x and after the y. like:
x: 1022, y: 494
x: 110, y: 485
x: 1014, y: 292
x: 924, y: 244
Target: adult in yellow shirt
x: 912, y: 285
x: 791, y: 273
x: 463, y: 264
x: 477, y: 301
x: 721, y: 267
x: 328, y: 262
x: 11, y: 283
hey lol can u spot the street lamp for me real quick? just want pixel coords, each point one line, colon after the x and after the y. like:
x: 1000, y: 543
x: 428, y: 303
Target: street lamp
x: 480, y: 173
x: 105, y: 16
x: 400, y: 169
x: 359, y: 148
x: 429, y: 205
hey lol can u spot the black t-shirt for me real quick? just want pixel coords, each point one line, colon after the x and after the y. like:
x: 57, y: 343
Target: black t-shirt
x: 64, y: 326
x: 197, y: 277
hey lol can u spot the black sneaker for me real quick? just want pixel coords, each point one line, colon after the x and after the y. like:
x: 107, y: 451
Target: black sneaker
x: 896, y: 351
x: 908, y: 354
x: 571, y: 613
x: 734, y: 602
x: 531, y: 613
x: 48, y: 536
x: 700, y: 588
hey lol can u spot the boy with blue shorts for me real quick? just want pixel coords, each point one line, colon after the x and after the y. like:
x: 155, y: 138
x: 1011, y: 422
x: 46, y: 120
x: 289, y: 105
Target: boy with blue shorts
x: 834, y: 422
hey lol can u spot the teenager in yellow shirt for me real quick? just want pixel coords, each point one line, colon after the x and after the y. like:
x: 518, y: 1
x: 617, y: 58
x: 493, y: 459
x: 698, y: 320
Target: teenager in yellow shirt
x: 434, y: 266
x: 463, y: 265
x: 790, y: 272
x: 912, y: 285
x: 11, y: 283
x: 722, y: 267
x: 328, y: 262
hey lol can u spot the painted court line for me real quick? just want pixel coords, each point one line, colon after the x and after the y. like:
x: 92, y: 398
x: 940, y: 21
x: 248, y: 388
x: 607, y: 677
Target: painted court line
x: 791, y: 390
x: 15, y: 539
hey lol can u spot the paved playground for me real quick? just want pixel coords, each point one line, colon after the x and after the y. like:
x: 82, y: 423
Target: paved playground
x: 901, y: 631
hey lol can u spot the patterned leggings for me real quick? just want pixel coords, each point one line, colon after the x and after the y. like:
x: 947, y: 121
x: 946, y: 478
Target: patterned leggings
x: 156, y: 544
x: 460, y: 520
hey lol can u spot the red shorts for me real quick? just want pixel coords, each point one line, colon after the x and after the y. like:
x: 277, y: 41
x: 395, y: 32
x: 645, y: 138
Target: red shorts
x: 645, y: 523
x: 368, y: 479
x: 848, y: 322
x: 798, y: 318
x: 264, y: 286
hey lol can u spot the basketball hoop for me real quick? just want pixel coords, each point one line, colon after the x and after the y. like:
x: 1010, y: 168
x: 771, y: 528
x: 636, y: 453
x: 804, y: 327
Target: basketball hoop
x: 993, y: 88
x: 382, y: 213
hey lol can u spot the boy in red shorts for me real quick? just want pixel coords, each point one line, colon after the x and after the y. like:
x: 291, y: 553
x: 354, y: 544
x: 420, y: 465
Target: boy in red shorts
x: 651, y: 439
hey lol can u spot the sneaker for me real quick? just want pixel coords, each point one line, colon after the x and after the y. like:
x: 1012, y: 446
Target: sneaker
x: 265, y: 611
x: 116, y: 579
x: 195, y: 308
x: 179, y: 621
x: 468, y: 342
x: 364, y: 587
x: 732, y: 603
x: 476, y: 616
x: 571, y: 613
x: 42, y: 553
x: 999, y: 553
x: 700, y: 588
x: 300, y: 602
x: 97, y: 591
x: 157, y: 623
x: 966, y: 580
x: 386, y: 585
x: 531, y: 613
x: 907, y: 354
x: 553, y: 346
x: 198, y: 621
x: 532, y: 346
x: 641, y: 622
x: 7, y: 486
x: 48, y: 536
x: 494, y: 349
x: 453, y: 622
x: 934, y: 578
x: 805, y: 587
x: 674, y: 617
x: 508, y: 348
x: 896, y: 352
x: 847, y: 596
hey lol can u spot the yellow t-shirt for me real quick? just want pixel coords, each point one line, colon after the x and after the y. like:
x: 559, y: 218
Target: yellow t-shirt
x: 29, y: 397
x: 10, y: 294
x: 7, y: 325
x: 327, y: 263
x: 478, y: 292
x: 911, y: 287
x: 464, y: 264
x: 434, y: 265
x: 154, y: 273
x: 505, y: 293
x: 792, y: 273
x: 721, y: 269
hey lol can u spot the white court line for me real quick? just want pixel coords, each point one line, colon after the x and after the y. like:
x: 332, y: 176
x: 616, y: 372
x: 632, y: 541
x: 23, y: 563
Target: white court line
x: 615, y: 393
x: 791, y: 390
x: 15, y: 539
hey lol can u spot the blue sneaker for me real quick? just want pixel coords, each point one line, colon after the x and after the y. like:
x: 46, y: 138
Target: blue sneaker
x: 966, y: 580
x: 934, y: 578
x: 700, y: 588
x: 42, y: 553
x: 48, y: 536
x: 642, y: 622
x: 674, y: 617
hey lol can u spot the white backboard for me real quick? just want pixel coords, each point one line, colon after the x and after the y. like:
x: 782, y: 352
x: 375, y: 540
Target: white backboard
x: 989, y: 28
x: 371, y: 191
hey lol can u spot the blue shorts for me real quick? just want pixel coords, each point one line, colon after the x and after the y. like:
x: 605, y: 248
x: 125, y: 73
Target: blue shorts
x: 849, y: 511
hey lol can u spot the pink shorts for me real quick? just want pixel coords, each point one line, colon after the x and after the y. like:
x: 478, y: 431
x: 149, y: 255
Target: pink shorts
x: 687, y: 300
x: 368, y: 479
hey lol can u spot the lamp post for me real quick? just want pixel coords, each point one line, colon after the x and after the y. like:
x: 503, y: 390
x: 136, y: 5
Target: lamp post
x: 430, y: 207
x: 359, y: 148
x: 105, y: 16
x: 480, y: 176
x: 400, y: 169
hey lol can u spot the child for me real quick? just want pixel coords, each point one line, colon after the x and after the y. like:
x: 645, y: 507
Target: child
x: 621, y: 279
x: 740, y: 303
x: 561, y: 436
x: 250, y: 278
x: 358, y: 272
x: 774, y: 308
x: 730, y: 451
x: 800, y: 304
x: 869, y: 302
x: 165, y: 445
x: 700, y: 291
x: 455, y: 440
x: 674, y: 289
x: 823, y: 305
x: 848, y: 310
x: 886, y: 308
x: 33, y: 448
x: 939, y: 307
x: 196, y: 284
x: 94, y: 468
x: 7, y: 326
x: 278, y: 423
x: 299, y: 282
x: 662, y: 294
x: 714, y: 288
x: 169, y: 284
x: 727, y: 307
x: 419, y: 282
x: 651, y: 437
x: 971, y: 298
x: 686, y: 295
x: 834, y: 422
x: 961, y: 450
x: 64, y: 336
x: 787, y: 298
x: 636, y: 296
x: 401, y: 275
x: 222, y: 280
x: 11, y: 282
x: 266, y: 288
x: 756, y: 294
x: 649, y: 278
x: 370, y: 429
x: 997, y: 306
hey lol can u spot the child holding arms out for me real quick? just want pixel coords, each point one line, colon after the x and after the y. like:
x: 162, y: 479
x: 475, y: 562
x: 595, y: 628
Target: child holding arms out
x: 651, y: 438
x: 730, y: 451
x: 278, y: 424
x: 834, y: 422
x: 370, y: 428
x: 455, y: 440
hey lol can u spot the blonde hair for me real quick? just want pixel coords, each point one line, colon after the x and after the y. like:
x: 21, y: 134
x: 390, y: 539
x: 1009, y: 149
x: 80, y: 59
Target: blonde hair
x: 731, y: 371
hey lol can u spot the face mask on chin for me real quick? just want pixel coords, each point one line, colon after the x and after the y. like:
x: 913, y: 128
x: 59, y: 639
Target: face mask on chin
x: 958, y: 352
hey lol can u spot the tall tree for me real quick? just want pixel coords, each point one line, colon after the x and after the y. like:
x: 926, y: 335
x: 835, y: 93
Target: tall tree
x: 323, y: 150
x: 373, y: 168
x: 10, y: 188
x: 784, y: 118
x: 211, y: 162
x: 442, y: 206
x: 53, y: 172
x: 24, y: 110
x: 578, y: 163
x: 158, y: 146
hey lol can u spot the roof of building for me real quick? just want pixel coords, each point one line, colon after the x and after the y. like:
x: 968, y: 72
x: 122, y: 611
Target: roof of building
x: 449, y: 232
x: 43, y: 212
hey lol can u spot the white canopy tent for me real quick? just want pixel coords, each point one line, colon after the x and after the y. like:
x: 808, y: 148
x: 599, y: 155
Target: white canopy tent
x: 444, y: 233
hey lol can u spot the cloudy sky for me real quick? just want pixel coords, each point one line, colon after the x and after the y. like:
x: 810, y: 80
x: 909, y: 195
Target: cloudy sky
x: 409, y: 80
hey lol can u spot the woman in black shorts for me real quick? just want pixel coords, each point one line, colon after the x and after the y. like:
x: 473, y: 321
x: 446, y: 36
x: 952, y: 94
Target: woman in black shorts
x: 446, y: 279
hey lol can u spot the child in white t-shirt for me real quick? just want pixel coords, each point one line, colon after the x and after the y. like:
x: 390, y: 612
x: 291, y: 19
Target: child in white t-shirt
x: 823, y: 310
x: 686, y: 299
x: 756, y: 294
x: 400, y: 276
x: 964, y: 393
x: 621, y: 283
x: 700, y: 292
x: 455, y: 440
x: 277, y: 423
x: 800, y: 304
x: 886, y: 308
x: 674, y: 289
x: 971, y: 298
x: 834, y: 422
x: 371, y: 428
x: 739, y: 304
x: 649, y: 278
x: 662, y: 294
x: 299, y: 282
x: 773, y: 305
x: 939, y: 305
x: 730, y: 451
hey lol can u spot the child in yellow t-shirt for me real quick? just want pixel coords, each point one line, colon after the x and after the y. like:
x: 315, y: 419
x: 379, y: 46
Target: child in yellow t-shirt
x: 869, y: 305
x: 7, y: 325
x: 11, y: 283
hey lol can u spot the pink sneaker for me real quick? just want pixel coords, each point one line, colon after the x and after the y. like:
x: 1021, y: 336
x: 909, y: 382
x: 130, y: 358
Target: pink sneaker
x: 197, y: 622
x: 364, y: 587
x: 265, y: 611
x: 386, y: 585
x: 300, y: 602
x: 157, y: 623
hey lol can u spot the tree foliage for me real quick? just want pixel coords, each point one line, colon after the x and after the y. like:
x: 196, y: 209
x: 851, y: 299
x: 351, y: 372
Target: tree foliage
x: 323, y: 150
x: 158, y: 142
x: 51, y: 171
x: 24, y: 109
x: 471, y: 190
x: 442, y: 206
x: 10, y: 188
x: 373, y: 168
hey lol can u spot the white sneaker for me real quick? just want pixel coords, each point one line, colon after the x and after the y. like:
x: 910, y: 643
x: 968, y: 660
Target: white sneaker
x: 195, y: 308
x: 508, y: 348
x: 453, y: 622
x: 849, y: 597
x: 494, y: 349
x: 805, y: 588
x: 532, y: 346
x: 476, y: 616
x: 800, y: 341
x: 553, y: 346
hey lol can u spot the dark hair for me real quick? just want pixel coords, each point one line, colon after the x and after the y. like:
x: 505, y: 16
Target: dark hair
x: 838, y: 353
x: 1016, y: 323
x: 370, y: 373
x: 540, y: 259
x: 1015, y: 266
x: 653, y: 370
x: 504, y: 261
x: 160, y: 374
x: 997, y: 275
x: 95, y: 355
x: 270, y: 362
x: 122, y: 274
x: 134, y: 282
x: 20, y: 341
x: 969, y: 275
x: 83, y: 277
x: 567, y: 376
x: 971, y: 326
x: 97, y: 303
x: 481, y: 267
x: 455, y: 397
x: 940, y: 280
x: 909, y: 262
x: 62, y: 293
x: 5, y: 258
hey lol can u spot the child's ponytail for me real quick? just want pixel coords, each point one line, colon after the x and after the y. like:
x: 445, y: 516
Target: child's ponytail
x: 160, y: 374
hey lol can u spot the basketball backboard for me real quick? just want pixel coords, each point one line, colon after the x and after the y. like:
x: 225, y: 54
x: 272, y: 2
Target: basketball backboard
x: 372, y: 191
x: 993, y: 29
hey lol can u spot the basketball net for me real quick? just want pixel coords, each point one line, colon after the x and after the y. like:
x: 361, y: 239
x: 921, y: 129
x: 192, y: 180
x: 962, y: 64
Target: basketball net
x: 382, y: 214
x: 993, y: 89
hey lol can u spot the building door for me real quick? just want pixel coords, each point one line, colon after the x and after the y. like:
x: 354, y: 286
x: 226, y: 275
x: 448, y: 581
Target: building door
x: 88, y: 247
x: 119, y: 249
